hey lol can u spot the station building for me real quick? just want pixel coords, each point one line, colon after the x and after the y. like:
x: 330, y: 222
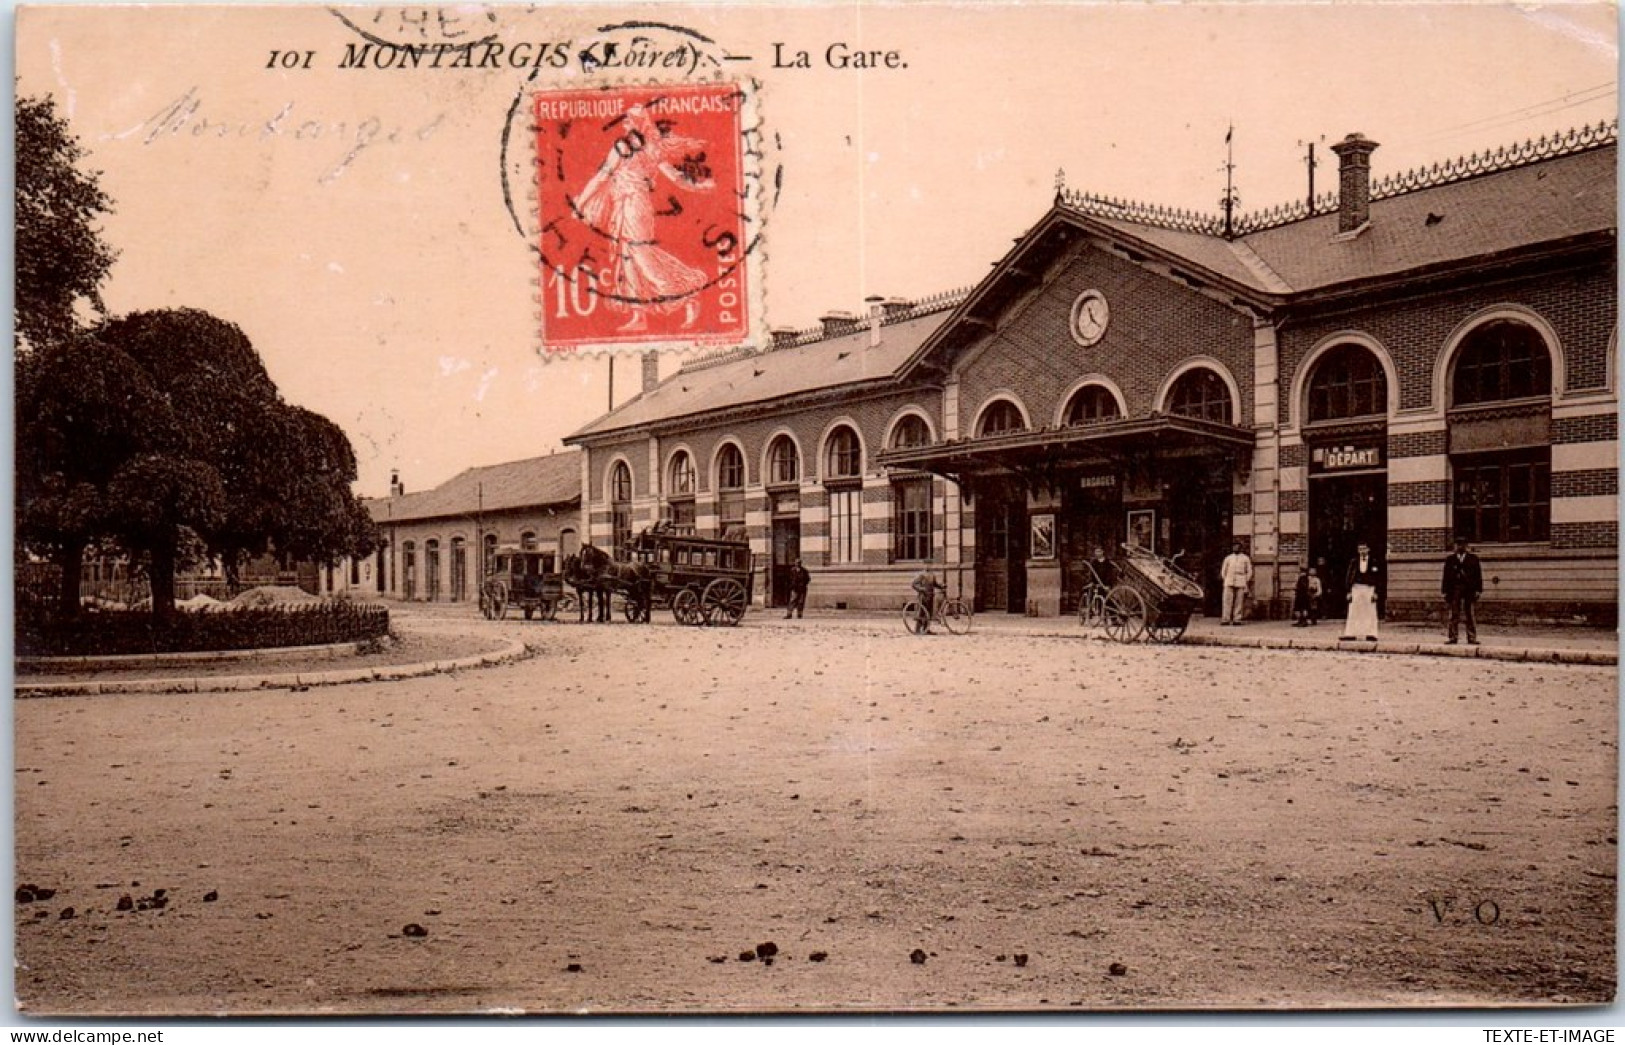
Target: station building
x: 1408, y: 359
x: 435, y: 545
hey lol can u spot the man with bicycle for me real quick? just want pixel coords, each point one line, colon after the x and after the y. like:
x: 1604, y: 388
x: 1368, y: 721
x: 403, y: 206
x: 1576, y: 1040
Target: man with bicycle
x: 925, y: 589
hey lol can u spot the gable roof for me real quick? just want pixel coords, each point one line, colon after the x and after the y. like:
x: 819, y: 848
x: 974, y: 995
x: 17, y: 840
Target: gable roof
x: 1546, y: 201
x: 536, y: 482
x: 1543, y: 194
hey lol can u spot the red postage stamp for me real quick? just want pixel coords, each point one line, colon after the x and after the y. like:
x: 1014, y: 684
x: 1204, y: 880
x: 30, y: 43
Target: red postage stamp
x: 643, y: 217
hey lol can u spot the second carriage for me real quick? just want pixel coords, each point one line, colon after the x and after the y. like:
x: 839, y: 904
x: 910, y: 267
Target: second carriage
x: 1152, y: 598
x: 526, y: 579
x: 702, y: 580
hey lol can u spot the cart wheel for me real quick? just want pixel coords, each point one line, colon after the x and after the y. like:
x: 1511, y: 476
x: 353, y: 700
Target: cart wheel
x: 1125, y: 614
x: 632, y: 611
x: 956, y: 615
x: 913, y: 617
x: 723, y: 601
x: 685, y: 607
x: 564, y: 604
x: 1164, y: 629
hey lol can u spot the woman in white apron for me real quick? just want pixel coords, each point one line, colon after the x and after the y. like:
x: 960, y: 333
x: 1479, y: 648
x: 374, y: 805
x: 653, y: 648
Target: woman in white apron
x: 1364, y: 579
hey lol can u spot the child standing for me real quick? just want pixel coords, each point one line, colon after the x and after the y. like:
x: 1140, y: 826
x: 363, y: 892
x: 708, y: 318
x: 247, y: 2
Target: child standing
x: 1302, y: 600
x: 1314, y: 596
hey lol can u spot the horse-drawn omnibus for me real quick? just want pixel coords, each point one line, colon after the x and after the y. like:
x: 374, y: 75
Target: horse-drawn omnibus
x: 702, y: 580
x: 523, y: 578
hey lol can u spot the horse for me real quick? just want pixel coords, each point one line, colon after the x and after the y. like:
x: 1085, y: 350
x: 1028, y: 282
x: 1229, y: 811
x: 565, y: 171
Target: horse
x: 595, y: 576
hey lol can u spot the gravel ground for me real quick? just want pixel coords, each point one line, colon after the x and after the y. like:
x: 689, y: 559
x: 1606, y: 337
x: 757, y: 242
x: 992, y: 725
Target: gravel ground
x: 640, y: 817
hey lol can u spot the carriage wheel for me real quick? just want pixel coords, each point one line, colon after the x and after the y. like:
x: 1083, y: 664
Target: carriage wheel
x: 1165, y: 629
x: 686, y: 607
x: 913, y: 617
x: 1125, y: 614
x: 563, y: 604
x: 956, y: 615
x: 631, y: 609
x: 723, y: 601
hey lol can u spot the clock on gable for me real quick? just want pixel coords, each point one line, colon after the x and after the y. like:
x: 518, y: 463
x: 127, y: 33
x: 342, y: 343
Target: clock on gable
x: 1090, y: 315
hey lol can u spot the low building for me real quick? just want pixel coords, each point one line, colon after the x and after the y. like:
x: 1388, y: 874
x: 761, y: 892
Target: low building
x: 1409, y: 359
x: 434, y: 545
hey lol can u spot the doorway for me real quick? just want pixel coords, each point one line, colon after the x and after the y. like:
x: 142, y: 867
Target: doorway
x: 1001, y: 551
x: 1200, y: 506
x: 1343, y: 511
x: 786, y: 548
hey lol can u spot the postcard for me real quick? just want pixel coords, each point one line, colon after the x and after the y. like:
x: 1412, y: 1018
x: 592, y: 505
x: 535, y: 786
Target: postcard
x: 760, y: 508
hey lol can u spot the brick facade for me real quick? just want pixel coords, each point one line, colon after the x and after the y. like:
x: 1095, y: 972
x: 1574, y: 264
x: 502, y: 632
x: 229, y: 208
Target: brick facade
x: 1167, y: 316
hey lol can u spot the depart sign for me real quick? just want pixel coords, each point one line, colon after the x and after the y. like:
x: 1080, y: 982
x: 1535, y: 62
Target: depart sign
x: 1345, y: 458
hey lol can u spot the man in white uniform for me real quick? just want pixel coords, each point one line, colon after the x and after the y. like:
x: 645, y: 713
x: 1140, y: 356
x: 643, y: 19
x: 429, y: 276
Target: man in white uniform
x: 1237, y: 574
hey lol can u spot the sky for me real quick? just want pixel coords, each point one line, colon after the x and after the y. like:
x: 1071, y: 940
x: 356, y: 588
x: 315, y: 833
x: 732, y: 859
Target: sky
x: 353, y: 221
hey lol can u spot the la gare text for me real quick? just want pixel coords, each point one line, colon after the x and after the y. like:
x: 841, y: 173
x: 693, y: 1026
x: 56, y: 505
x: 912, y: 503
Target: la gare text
x: 837, y: 56
x: 493, y: 54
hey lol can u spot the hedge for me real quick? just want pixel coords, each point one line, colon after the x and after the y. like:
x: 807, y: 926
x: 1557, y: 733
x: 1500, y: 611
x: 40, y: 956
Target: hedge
x: 115, y: 632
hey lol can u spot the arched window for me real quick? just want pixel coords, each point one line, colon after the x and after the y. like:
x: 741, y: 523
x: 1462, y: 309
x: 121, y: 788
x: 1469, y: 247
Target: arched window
x: 1202, y: 394
x: 1347, y: 382
x: 730, y: 468
x: 1091, y: 405
x: 1501, y: 462
x: 1501, y: 360
x: 843, y: 465
x: 409, y: 570
x: 431, y: 568
x: 911, y: 430
x: 620, y: 508
x: 620, y: 483
x: 680, y: 496
x: 783, y: 463
x: 1000, y: 417
x: 843, y: 455
x: 459, y: 569
x: 730, y: 488
x: 568, y: 543
x: 527, y: 541
x: 680, y: 475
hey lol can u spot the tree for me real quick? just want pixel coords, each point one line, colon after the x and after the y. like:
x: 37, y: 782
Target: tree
x: 60, y: 256
x: 163, y: 430
x: 83, y: 410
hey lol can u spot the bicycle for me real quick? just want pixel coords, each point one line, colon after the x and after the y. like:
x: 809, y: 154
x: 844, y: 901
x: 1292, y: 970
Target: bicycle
x: 1092, y: 605
x: 953, y: 614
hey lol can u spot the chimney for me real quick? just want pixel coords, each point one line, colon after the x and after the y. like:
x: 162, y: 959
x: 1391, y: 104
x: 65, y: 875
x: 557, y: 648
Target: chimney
x: 783, y: 335
x: 836, y: 323
x: 877, y: 311
x: 651, y: 371
x: 395, y: 487
x: 1354, y: 181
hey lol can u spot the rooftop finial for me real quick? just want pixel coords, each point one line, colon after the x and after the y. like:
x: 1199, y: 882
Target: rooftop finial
x: 1060, y: 185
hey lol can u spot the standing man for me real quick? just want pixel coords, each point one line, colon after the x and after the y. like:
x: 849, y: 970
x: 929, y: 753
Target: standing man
x: 799, y: 579
x: 1237, y: 574
x: 1462, y: 585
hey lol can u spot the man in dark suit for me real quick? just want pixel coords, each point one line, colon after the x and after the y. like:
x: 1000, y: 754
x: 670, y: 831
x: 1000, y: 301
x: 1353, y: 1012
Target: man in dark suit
x: 799, y: 579
x: 1462, y: 585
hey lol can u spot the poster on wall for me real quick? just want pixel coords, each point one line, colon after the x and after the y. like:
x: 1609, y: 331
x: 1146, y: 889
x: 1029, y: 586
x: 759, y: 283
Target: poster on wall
x: 1043, y: 546
x: 1142, y: 529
